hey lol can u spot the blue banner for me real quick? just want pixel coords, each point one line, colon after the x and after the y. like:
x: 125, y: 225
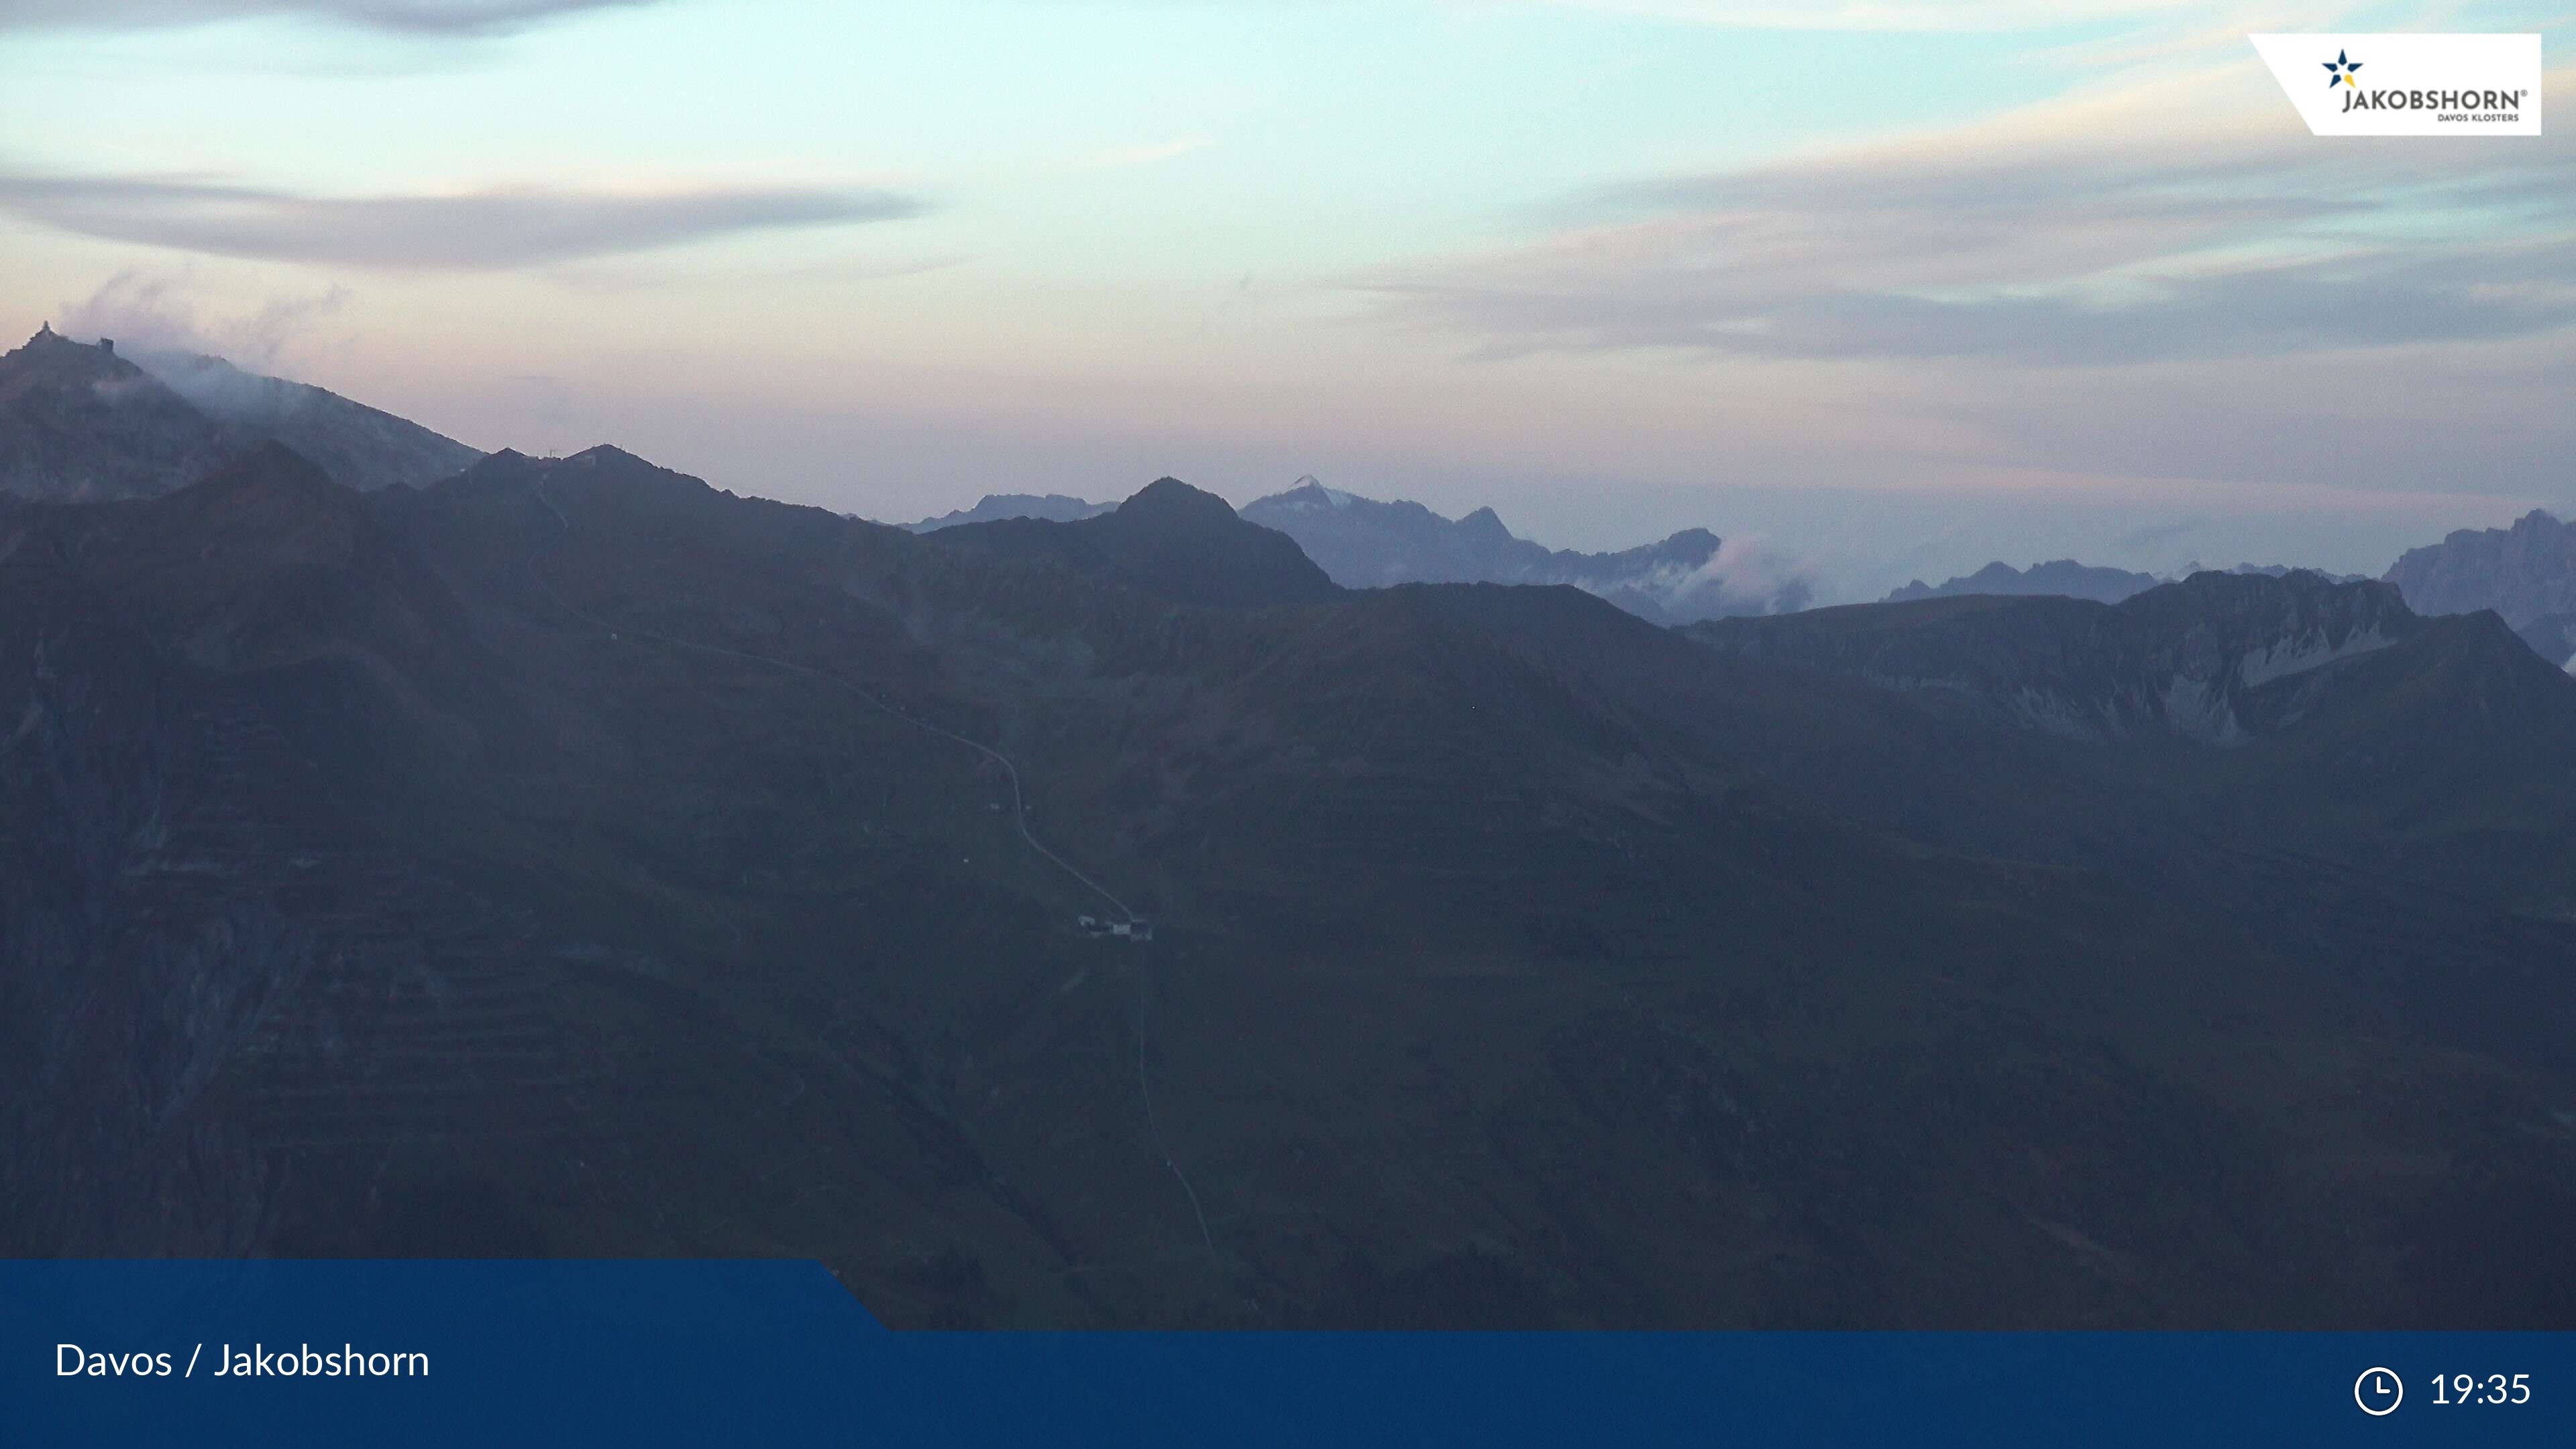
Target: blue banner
x: 648, y: 1353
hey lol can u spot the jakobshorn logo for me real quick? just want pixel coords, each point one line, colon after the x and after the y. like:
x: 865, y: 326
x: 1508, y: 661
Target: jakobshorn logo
x: 2419, y: 85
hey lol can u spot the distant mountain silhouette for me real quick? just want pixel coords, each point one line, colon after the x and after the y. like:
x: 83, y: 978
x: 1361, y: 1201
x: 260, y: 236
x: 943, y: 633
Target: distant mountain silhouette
x: 1363, y: 543
x: 1170, y: 540
x: 2063, y: 577
x: 992, y: 507
x: 85, y: 423
x: 2275, y: 571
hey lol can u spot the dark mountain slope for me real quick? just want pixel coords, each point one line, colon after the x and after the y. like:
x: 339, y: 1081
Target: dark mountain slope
x: 1515, y: 962
x: 1170, y: 540
x: 2347, y: 725
x: 299, y: 952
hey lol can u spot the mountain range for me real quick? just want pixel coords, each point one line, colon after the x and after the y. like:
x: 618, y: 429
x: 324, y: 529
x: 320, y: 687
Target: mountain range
x: 570, y: 857
x: 1361, y: 543
x: 2062, y: 577
x: 1364, y: 543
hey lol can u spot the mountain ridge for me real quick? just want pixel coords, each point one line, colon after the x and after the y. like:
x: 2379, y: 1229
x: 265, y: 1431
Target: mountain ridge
x: 508, y: 873
x: 1363, y: 543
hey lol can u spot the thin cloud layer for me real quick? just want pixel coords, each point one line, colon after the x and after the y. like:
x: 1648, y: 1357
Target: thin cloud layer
x: 474, y: 231
x: 2092, y: 233
x: 416, y: 17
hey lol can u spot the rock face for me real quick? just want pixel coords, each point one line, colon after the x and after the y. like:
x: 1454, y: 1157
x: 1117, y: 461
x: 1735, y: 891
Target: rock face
x: 994, y: 507
x: 1365, y: 544
x: 2213, y: 659
x: 2064, y: 577
x: 2524, y: 573
x: 83, y: 423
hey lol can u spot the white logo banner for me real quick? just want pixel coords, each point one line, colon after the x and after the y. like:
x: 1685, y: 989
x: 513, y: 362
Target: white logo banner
x: 2409, y: 85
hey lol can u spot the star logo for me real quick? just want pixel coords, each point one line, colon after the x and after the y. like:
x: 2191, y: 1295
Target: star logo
x: 2339, y: 72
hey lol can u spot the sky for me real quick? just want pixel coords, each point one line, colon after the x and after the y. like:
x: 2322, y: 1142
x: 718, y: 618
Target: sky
x: 1891, y: 288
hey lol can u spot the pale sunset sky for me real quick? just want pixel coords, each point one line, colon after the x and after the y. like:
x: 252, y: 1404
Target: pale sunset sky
x: 1897, y: 287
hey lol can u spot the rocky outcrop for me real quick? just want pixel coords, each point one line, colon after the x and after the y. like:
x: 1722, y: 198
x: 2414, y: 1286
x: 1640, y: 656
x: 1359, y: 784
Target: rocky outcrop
x: 2524, y: 573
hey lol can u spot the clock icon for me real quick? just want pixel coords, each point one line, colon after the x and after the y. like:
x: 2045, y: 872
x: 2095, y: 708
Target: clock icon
x: 2379, y: 1392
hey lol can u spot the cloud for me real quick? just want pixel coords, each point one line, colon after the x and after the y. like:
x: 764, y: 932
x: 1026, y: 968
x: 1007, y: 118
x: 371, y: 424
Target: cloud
x: 466, y: 231
x: 2185, y: 217
x: 156, y: 312
x: 1745, y: 576
x: 415, y: 17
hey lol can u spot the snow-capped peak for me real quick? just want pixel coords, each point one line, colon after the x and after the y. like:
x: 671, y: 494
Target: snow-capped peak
x: 1308, y: 493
